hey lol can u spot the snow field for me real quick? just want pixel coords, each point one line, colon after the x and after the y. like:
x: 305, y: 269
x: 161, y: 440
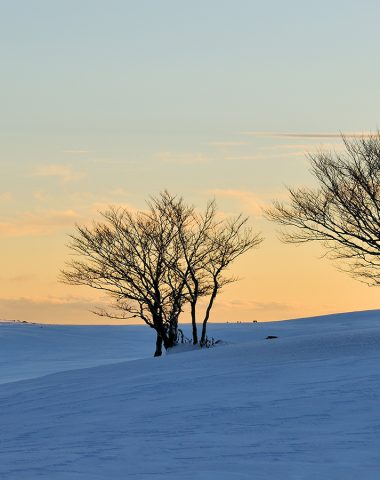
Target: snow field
x: 302, y: 406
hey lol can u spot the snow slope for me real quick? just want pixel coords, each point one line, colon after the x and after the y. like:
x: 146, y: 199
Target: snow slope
x: 302, y: 406
x: 32, y: 350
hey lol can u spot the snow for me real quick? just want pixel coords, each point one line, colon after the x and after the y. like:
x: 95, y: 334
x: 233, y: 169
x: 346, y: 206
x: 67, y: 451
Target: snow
x: 32, y: 350
x: 302, y: 406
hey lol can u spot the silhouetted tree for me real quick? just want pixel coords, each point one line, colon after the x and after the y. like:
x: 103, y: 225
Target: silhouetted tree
x: 128, y: 256
x: 193, y: 231
x: 152, y: 263
x: 343, y: 211
x: 227, y: 241
x: 209, y: 245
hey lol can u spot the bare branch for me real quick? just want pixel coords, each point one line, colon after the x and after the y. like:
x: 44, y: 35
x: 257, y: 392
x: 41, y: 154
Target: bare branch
x: 343, y: 212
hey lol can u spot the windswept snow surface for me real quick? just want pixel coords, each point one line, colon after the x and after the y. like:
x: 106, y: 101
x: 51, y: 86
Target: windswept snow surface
x: 302, y: 406
x: 32, y: 350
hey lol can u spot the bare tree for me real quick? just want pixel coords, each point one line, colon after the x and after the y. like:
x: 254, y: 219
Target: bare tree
x: 343, y: 211
x: 152, y: 263
x: 228, y: 240
x: 194, y: 238
x: 209, y: 245
x: 128, y: 256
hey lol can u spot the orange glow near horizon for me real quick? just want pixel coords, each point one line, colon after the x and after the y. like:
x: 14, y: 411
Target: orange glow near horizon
x: 277, y: 282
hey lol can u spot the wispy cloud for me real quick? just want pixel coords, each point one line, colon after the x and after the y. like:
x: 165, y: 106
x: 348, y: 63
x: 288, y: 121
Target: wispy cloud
x: 65, y: 173
x: 37, y: 308
x: 49, y: 299
x: 274, y: 152
x: 290, y: 146
x: 309, y: 134
x: 228, y: 144
x: 6, y: 197
x: 269, y: 156
x: 246, y: 158
x: 302, y: 149
x: 77, y: 151
x: 117, y: 196
x: 182, y: 158
x: 40, y: 196
x: 119, y: 192
x: 250, y: 201
x: 18, y: 278
x: 38, y: 223
x: 92, y: 203
x: 103, y: 206
x: 291, y: 154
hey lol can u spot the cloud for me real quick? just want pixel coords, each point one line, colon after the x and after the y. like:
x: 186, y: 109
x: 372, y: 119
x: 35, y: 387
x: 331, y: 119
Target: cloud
x: 48, y: 300
x: 228, y: 144
x: 6, y: 197
x: 271, y: 156
x: 119, y: 192
x: 109, y: 161
x: 290, y: 146
x: 289, y: 154
x: 38, y: 223
x: 76, y: 151
x: 64, y: 173
x: 251, y: 202
x: 273, y: 152
x: 309, y: 134
x: 97, y: 207
x: 18, y: 278
x: 182, y: 158
x: 64, y: 309
x: 92, y: 203
x: 246, y: 157
x: 43, y: 308
x: 40, y: 196
x: 287, y: 151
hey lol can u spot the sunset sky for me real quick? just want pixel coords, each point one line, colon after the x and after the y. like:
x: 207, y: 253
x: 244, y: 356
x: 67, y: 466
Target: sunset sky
x: 108, y: 102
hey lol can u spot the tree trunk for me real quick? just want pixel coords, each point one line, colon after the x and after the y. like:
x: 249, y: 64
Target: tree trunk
x: 194, y: 324
x: 207, y: 316
x: 162, y: 336
x: 165, y: 336
x: 158, y: 351
x: 167, y: 339
x: 171, y: 339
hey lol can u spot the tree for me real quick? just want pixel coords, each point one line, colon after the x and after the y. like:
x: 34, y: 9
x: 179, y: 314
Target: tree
x: 152, y: 263
x: 208, y: 247
x: 127, y: 256
x: 343, y: 211
x: 228, y: 240
x: 193, y: 234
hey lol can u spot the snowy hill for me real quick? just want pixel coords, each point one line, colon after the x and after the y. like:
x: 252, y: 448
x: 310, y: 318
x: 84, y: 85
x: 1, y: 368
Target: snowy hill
x: 32, y: 350
x: 302, y: 406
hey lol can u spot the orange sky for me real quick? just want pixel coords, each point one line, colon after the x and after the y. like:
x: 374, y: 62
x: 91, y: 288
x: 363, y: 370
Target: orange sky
x: 205, y: 99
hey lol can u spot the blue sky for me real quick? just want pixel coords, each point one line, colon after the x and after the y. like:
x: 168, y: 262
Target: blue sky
x: 109, y: 102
